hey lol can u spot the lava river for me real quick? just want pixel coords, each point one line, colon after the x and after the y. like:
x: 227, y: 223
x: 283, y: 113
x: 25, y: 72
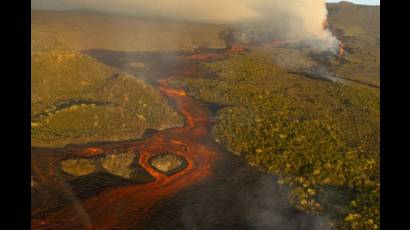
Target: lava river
x: 124, y: 206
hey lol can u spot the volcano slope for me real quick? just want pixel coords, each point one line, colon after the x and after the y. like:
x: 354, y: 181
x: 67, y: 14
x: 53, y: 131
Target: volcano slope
x: 75, y: 99
x: 321, y: 137
x: 83, y: 30
x: 358, y: 27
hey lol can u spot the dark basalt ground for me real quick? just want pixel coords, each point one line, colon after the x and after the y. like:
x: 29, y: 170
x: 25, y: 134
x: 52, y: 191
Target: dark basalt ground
x: 45, y: 199
x: 48, y: 198
x: 234, y: 197
x: 90, y: 185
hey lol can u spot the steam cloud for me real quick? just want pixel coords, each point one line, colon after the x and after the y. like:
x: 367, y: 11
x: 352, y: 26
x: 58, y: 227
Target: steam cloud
x: 292, y: 18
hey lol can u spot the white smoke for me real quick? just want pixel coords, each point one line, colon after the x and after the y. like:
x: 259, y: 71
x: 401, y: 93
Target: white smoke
x: 293, y: 18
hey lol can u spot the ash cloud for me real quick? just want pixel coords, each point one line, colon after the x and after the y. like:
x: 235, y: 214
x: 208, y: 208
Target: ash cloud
x: 302, y: 19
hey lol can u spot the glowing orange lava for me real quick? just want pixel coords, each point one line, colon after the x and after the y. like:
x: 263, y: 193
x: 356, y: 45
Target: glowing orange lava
x: 236, y: 48
x: 339, y: 35
x: 92, y: 151
x: 169, y: 91
x: 122, y: 207
x: 341, y: 49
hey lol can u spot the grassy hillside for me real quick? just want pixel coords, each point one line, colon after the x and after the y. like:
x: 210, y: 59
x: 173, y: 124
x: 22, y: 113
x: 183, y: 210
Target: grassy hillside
x: 83, y: 30
x: 358, y: 27
x: 322, y: 138
x: 355, y: 18
x: 76, y: 99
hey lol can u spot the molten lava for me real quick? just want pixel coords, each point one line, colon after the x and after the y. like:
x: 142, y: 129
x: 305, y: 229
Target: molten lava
x: 236, y: 48
x: 339, y: 35
x: 92, y: 151
x: 341, y: 49
x: 125, y: 206
x: 173, y: 92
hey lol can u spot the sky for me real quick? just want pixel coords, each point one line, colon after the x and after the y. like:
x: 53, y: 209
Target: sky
x: 365, y: 2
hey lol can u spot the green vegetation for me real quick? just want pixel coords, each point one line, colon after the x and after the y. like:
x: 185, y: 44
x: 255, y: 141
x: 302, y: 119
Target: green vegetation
x: 76, y: 99
x: 78, y: 166
x: 347, y: 15
x: 357, y: 27
x: 321, y: 138
x: 119, y: 164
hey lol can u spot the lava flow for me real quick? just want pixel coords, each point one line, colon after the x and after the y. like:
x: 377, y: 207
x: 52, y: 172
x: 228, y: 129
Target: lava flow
x: 341, y: 49
x: 339, y: 35
x: 125, y: 206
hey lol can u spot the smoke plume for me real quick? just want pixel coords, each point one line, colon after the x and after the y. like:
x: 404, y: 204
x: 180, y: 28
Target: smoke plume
x: 302, y: 19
